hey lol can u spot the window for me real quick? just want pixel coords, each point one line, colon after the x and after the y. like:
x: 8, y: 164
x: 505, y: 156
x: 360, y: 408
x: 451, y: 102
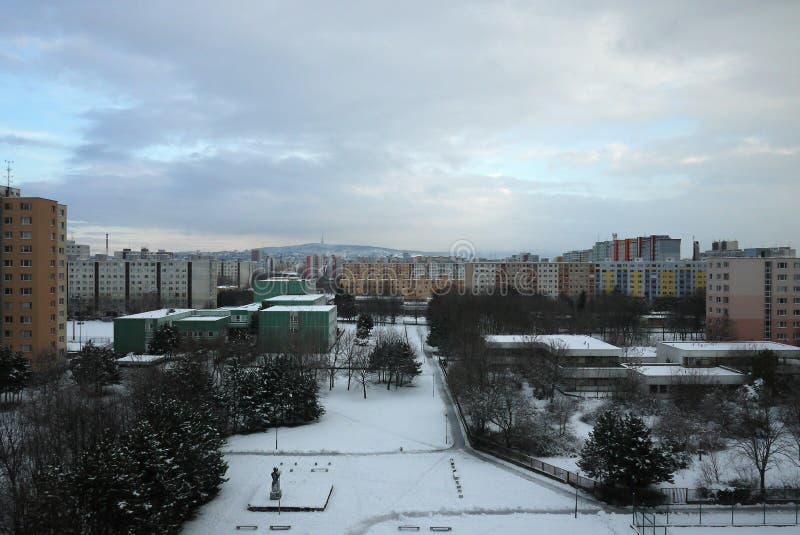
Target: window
x: 26, y: 263
x: 8, y: 249
x: 26, y: 220
x: 8, y: 291
x: 27, y: 305
x: 25, y: 319
x: 26, y: 248
x: 8, y: 235
x: 26, y: 348
x: 27, y: 334
x: 8, y: 319
x: 8, y: 263
x: 781, y: 312
x: 782, y: 277
x: 26, y: 291
x: 8, y: 220
x: 25, y: 206
x: 8, y: 276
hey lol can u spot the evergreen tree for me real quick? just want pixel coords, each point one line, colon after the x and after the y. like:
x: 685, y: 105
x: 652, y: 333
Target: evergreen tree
x: 166, y: 341
x: 345, y: 305
x: 364, y: 326
x: 95, y: 367
x: 15, y: 371
x: 621, y: 452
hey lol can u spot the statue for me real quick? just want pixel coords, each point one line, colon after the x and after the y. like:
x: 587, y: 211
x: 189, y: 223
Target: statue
x: 275, y: 493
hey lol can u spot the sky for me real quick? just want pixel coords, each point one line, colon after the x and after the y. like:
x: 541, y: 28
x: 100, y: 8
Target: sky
x: 517, y: 126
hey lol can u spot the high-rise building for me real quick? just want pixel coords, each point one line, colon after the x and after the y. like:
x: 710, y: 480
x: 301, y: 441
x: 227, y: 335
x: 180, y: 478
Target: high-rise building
x: 34, y: 282
x: 653, y: 248
x: 754, y: 299
x: 115, y: 286
x: 77, y: 251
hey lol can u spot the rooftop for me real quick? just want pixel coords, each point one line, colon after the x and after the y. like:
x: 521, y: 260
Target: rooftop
x: 301, y: 308
x: 675, y: 370
x: 566, y: 341
x: 731, y: 346
x: 156, y: 314
x: 299, y: 298
x: 202, y: 318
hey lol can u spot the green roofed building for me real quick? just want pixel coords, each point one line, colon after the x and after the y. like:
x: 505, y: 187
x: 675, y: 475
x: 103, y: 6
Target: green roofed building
x: 296, y: 300
x: 267, y: 288
x: 132, y: 334
x: 304, y: 328
x: 203, y: 327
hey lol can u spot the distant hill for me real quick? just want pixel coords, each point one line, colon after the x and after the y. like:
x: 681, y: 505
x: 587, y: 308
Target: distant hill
x: 303, y: 250
x: 342, y: 250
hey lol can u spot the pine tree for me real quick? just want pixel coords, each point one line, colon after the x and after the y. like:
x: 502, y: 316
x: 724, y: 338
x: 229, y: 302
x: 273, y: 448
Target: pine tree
x: 364, y: 326
x: 96, y: 367
x: 621, y: 452
x: 166, y: 341
x: 15, y: 371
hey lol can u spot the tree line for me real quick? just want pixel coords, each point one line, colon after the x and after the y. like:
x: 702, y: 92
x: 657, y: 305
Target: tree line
x: 95, y: 450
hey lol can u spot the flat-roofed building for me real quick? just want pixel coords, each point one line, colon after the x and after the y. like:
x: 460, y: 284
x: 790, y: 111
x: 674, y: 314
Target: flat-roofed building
x: 738, y: 355
x: 297, y: 329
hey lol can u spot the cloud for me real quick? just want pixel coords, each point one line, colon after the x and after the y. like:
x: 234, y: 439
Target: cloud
x: 376, y: 124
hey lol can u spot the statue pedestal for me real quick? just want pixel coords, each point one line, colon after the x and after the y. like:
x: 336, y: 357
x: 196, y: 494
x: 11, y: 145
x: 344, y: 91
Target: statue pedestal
x: 275, y: 495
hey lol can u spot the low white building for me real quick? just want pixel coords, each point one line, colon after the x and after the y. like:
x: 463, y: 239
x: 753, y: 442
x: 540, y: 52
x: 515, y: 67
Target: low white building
x: 668, y: 379
x: 734, y: 354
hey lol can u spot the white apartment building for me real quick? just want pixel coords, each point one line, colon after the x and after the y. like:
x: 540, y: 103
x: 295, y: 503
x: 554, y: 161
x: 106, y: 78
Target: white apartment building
x: 112, y: 286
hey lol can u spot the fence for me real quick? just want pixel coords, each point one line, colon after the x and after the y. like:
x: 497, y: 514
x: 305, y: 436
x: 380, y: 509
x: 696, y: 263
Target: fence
x: 518, y: 458
x: 658, y: 519
x: 735, y: 497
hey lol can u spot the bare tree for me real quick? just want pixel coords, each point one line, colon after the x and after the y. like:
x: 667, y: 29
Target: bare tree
x: 13, y: 466
x: 561, y: 408
x: 340, y: 351
x: 761, y: 434
x: 508, y: 407
x: 361, y: 368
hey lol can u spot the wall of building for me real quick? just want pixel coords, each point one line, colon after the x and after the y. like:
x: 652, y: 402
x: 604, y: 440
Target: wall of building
x: 34, y: 281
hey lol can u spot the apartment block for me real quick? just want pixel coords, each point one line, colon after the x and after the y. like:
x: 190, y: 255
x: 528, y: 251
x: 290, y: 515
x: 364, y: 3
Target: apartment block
x: 653, y: 248
x: 237, y: 273
x: 529, y: 278
x: 754, y: 299
x: 114, y: 286
x: 410, y: 280
x: 650, y: 280
x: 34, y: 281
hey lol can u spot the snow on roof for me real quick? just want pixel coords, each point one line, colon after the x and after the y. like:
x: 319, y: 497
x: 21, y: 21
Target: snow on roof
x: 157, y: 314
x: 567, y: 341
x: 141, y: 360
x: 674, y: 370
x: 202, y: 318
x: 639, y: 352
x: 731, y: 346
x: 301, y: 308
x: 300, y: 298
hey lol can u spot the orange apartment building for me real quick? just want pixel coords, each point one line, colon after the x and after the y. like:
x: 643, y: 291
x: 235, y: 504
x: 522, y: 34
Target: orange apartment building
x: 409, y: 280
x: 34, y: 280
x: 754, y: 299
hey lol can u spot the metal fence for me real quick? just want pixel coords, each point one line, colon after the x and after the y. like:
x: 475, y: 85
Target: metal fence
x: 658, y: 519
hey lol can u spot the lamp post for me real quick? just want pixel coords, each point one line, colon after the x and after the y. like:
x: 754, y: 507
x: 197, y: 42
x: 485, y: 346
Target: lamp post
x: 576, y: 494
x: 80, y: 334
x: 445, y: 428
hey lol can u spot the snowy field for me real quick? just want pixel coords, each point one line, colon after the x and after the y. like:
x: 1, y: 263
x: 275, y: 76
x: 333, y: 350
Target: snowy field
x: 411, y: 418
x: 91, y: 330
x: 374, y: 482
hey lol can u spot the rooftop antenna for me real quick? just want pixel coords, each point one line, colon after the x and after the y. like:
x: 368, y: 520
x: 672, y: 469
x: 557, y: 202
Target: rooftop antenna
x: 106, y: 243
x: 8, y: 177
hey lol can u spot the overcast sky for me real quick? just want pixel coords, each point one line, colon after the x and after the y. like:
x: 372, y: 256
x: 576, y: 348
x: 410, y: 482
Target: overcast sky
x: 518, y: 126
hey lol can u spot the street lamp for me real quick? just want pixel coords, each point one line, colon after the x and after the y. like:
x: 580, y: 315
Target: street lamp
x: 445, y: 427
x: 80, y: 334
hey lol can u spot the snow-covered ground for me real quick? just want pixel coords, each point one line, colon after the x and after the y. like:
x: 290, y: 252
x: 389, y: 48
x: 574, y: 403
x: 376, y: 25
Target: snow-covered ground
x: 373, y: 480
x: 90, y: 330
x: 377, y: 488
